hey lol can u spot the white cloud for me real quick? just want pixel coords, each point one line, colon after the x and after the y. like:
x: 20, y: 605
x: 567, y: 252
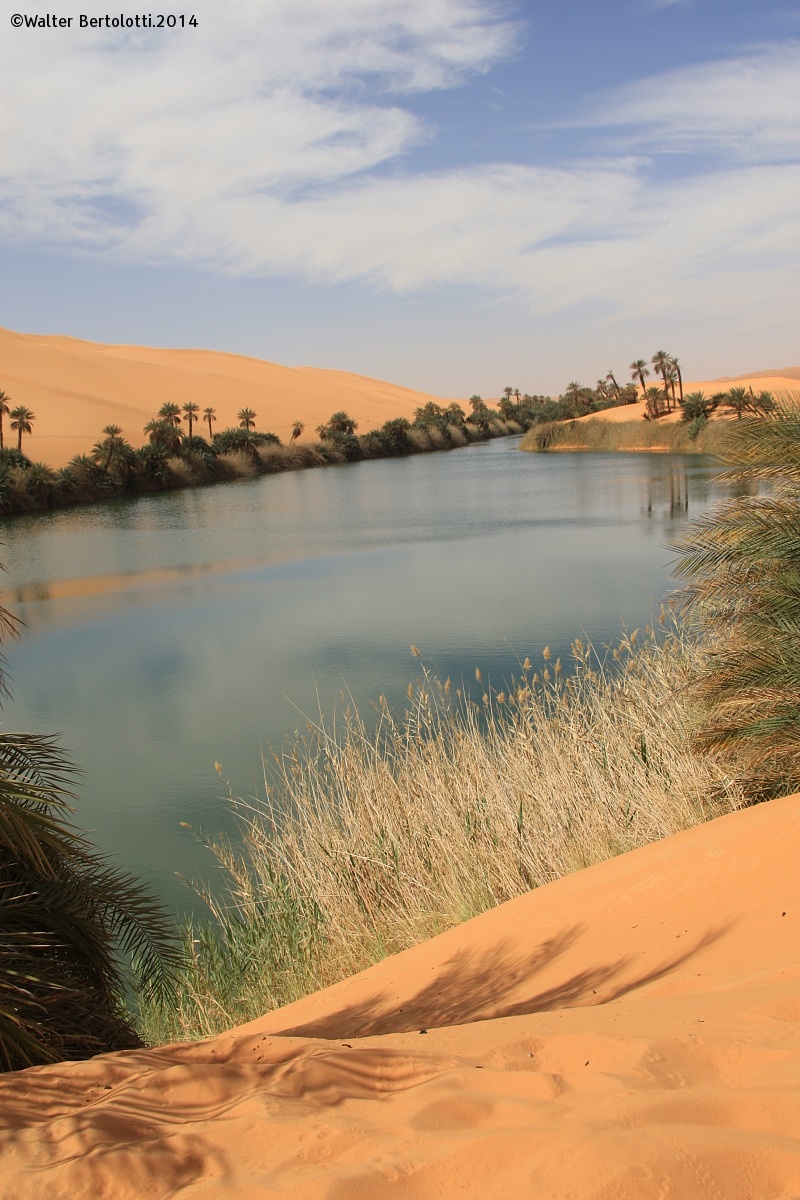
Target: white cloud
x: 747, y: 107
x: 272, y: 140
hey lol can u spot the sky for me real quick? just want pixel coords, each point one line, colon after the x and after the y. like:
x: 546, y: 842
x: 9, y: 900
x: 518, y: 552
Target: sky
x: 454, y: 195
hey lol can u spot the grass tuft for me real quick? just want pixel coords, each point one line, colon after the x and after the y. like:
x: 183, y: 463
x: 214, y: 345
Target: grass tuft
x: 374, y: 837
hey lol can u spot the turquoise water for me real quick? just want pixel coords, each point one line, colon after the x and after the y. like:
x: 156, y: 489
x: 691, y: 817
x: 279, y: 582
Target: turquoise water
x: 168, y: 632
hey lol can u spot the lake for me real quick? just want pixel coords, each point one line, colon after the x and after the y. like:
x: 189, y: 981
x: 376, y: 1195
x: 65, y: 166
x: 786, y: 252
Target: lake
x: 166, y: 633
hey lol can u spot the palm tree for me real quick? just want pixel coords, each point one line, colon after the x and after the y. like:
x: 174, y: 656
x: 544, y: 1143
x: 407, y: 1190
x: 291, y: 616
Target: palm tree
x: 610, y: 379
x: 164, y: 434
x: 21, y: 422
x: 639, y: 371
x: 209, y: 415
x: 297, y: 429
x: 246, y: 418
x: 655, y: 398
x: 66, y: 917
x: 677, y: 369
x: 661, y: 361
x: 340, y: 422
x: 170, y: 413
x: 191, y: 410
x: 107, y: 447
x: 741, y: 563
x: 4, y: 411
x: 739, y: 400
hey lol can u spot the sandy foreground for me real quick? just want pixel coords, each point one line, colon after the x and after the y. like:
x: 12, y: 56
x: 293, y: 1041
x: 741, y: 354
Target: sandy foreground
x: 629, y: 1031
x: 74, y: 388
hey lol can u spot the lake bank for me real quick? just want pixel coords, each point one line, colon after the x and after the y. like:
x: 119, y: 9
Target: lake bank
x: 167, y: 632
x: 596, y: 435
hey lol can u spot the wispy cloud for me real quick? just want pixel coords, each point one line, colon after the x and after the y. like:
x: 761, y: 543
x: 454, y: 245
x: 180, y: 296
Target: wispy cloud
x: 746, y: 107
x: 274, y: 140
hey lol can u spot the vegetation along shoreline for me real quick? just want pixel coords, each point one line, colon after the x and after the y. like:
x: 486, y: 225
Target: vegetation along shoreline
x: 177, y: 455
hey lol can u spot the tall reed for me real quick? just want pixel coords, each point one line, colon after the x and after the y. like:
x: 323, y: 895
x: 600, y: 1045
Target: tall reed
x: 674, y: 437
x: 374, y: 836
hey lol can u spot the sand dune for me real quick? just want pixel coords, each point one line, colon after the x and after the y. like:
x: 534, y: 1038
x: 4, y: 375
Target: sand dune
x: 629, y: 1032
x: 76, y: 387
x: 787, y: 379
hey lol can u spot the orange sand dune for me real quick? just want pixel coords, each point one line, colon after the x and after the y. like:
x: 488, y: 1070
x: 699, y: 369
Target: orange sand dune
x: 75, y: 388
x: 630, y: 1032
x: 777, y: 381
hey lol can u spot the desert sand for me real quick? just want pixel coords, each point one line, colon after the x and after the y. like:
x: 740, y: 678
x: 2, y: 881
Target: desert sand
x: 630, y: 1031
x: 778, y: 382
x: 76, y: 387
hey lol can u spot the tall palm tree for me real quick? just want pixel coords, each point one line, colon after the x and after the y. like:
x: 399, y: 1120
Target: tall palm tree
x: 661, y: 361
x: 676, y: 366
x: 640, y: 371
x: 610, y: 378
x: 209, y: 415
x: 246, y: 418
x: 191, y: 410
x: 741, y: 563
x: 170, y: 413
x: 297, y: 429
x: 21, y: 422
x: 4, y: 412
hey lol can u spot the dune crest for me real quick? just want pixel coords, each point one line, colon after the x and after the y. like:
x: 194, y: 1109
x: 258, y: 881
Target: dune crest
x: 76, y: 387
x: 631, y: 1031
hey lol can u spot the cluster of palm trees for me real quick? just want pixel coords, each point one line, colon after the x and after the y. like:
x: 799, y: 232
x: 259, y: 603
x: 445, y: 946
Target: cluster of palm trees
x: 165, y: 428
x: 659, y: 400
x: 21, y: 419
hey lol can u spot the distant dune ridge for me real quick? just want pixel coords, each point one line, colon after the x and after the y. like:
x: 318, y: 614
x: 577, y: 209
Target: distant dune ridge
x: 787, y: 379
x: 628, y: 1032
x: 76, y: 387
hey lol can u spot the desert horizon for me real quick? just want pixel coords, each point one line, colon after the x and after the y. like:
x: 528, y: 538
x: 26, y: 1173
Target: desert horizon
x: 75, y: 387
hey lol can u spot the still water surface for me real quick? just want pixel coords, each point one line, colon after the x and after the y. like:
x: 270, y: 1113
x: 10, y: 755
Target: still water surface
x: 167, y: 632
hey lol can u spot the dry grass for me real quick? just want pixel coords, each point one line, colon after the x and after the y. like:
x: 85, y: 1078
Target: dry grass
x: 599, y: 435
x: 374, y: 838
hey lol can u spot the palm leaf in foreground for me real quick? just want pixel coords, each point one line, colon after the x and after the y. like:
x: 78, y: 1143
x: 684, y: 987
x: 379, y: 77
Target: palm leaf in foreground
x: 70, y: 925
x: 742, y: 564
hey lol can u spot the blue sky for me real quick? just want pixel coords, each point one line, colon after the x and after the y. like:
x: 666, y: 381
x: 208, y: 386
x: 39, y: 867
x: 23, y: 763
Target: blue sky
x: 456, y: 195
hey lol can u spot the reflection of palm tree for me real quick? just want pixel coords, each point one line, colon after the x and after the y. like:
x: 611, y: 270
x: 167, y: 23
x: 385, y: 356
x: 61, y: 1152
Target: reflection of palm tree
x: 21, y: 422
x: 639, y: 370
x: 246, y: 418
x: 4, y: 411
x: 297, y: 429
x: 209, y: 414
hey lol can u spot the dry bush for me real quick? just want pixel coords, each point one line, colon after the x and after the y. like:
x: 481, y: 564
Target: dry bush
x: 374, y: 838
x: 456, y: 435
x: 236, y: 464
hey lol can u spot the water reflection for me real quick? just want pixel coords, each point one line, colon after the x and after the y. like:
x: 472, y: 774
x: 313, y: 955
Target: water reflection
x: 167, y: 632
